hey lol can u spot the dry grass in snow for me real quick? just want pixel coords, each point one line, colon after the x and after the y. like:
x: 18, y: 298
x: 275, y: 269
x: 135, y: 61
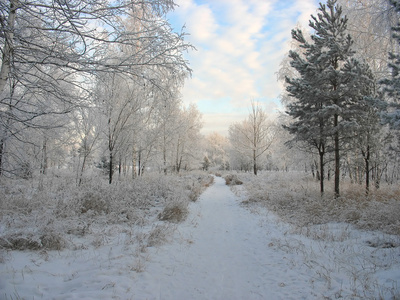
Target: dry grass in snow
x: 62, y: 215
x: 295, y: 198
x: 353, y: 236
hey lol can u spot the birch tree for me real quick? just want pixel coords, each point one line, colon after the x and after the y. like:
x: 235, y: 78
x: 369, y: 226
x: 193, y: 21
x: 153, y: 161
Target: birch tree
x: 187, y: 138
x: 118, y: 100
x: 253, y: 137
x: 370, y: 23
x: 54, y: 50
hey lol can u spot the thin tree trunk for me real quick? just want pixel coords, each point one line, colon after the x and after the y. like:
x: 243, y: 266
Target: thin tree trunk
x: 337, y: 158
x: 8, y: 45
x: 134, y: 173
x: 119, y: 167
x: 177, y: 164
x: 321, y: 168
x: 165, y: 154
x: 254, y: 162
x: 139, y: 163
x: 366, y: 155
x: 1, y: 155
x: 367, y: 172
x: 110, y: 171
x: 82, y: 169
x: 43, y: 165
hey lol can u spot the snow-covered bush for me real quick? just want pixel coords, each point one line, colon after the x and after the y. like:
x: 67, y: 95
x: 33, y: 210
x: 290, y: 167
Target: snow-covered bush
x: 232, y: 179
x: 21, y: 241
x: 295, y: 197
x: 175, y: 211
x: 199, y: 183
x: 53, y: 212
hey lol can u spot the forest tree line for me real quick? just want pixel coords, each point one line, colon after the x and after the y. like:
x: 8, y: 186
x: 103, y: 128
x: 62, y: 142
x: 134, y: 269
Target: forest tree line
x: 341, y: 102
x: 90, y: 85
x: 93, y: 82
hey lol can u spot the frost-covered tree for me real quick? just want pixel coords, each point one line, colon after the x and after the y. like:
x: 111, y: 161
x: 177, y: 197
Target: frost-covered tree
x: 370, y: 23
x: 75, y: 35
x: 253, y: 137
x: 392, y: 84
x: 52, y: 52
x: 216, y: 148
x: 329, y: 87
x: 118, y: 99
x: 363, y: 131
x: 187, y: 138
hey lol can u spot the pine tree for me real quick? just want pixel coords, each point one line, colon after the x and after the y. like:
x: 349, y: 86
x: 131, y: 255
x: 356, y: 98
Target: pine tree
x: 330, y: 87
x: 363, y: 131
x: 392, y: 85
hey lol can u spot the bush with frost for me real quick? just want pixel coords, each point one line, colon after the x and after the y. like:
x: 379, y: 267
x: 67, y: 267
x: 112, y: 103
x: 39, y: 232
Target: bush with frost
x: 232, y: 179
x: 53, y: 212
x: 295, y: 198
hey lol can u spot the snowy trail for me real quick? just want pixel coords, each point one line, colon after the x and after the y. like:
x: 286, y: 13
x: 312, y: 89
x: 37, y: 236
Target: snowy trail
x: 222, y: 252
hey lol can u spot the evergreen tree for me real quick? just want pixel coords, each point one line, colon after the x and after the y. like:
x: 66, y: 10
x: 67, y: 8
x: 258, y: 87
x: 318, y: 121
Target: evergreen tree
x: 363, y: 114
x: 392, y: 85
x: 329, y: 88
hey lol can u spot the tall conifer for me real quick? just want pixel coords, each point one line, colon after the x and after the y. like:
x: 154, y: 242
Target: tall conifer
x: 392, y: 84
x: 330, y: 86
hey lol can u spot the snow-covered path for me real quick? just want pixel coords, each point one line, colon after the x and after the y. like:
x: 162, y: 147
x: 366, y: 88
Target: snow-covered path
x: 223, y: 252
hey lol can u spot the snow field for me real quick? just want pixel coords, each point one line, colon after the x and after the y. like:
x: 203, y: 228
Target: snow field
x: 225, y: 249
x: 234, y: 254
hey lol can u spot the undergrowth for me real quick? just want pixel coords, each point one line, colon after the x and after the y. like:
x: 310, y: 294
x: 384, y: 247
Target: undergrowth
x: 53, y: 213
x: 296, y: 199
x: 367, y: 260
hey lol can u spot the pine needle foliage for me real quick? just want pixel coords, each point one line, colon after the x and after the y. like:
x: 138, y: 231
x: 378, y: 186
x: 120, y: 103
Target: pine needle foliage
x: 330, y: 88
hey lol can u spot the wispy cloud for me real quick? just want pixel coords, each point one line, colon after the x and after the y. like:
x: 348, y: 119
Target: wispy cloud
x: 240, y: 44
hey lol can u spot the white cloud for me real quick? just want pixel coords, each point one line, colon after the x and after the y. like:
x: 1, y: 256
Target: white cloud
x: 240, y: 45
x: 199, y: 20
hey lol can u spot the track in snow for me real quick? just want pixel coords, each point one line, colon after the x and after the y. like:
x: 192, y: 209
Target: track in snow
x: 222, y: 252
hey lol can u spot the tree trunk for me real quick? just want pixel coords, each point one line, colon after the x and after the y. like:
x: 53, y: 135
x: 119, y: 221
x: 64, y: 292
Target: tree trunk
x: 43, y: 165
x: 337, y: 157
x: 178, y: 167
x: 1, y: 155
x: 366, y: 156
x: 134, y: 173
x: 140, y: 163
x: 178, y: 159
x: 110, y: 171
x: 349, y: 170
x: 165, y: 158
x: 254, y: 162
x: 377, y: 178
x: 119, y: 167
x: 8, y: 45
x: 82, y: 169
x: 321, y: 168
x: 165, y: 151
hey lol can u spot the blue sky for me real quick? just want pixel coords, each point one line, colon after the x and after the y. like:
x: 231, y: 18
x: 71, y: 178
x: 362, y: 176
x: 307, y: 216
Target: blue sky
x: 240, y: 44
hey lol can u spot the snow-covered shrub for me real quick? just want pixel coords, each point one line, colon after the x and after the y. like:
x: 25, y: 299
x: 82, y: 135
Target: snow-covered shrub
x: 31, y: 241
x: 93, y: 201
x: 232, y: 179
x: 198, y: 185
x: 53, y: 212
x: 295, y: 198
x: 175, y: 211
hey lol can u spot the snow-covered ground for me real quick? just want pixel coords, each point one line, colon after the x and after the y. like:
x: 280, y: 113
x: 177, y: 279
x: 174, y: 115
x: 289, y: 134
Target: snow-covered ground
x: 224, y: 250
